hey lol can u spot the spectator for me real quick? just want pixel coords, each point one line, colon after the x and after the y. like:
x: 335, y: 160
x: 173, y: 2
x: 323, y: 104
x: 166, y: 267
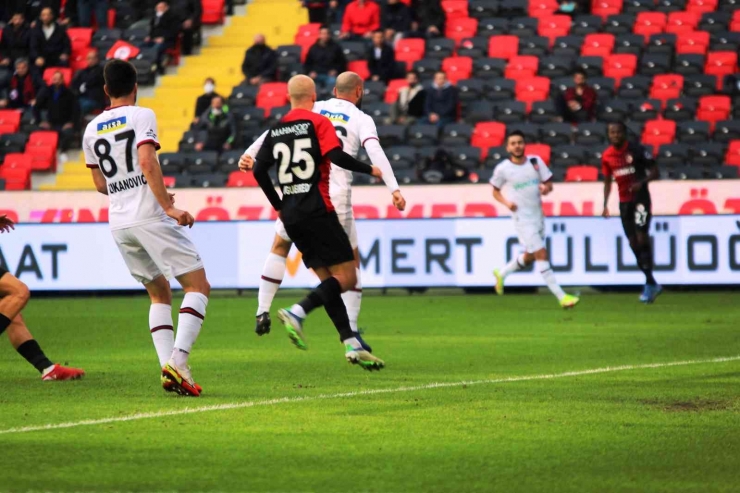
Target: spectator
x: 410, y: 103
x: 441, y: 101
x: 190, y: 12
x: 395, y: 20
x: 381, y: 59
x: 16, y: 40
x: 85, y: 9
x: 440, y: 168
x: 50, y: 45
x: 164, y: 29
x: 429, y: 18
x: 335, y: 12
x: 325, y: 59
x: 220, y: 125
x: 260, y: 62
x: 361, y: 18
x: 204, y: 100
x: 568, y: 7
x: 88, y: 84
x: 317, y: 10
x: 580, y: 101
x: 23, y: 88
x: 57, y: 110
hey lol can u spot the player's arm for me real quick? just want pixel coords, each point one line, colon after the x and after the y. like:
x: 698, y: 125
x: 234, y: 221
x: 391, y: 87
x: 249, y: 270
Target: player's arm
x: 651, y: 168
x: 265, y: 160
x: 607, y: 172
x: 153, y: 173
x: 343, y: 160
x: 545, y: 176
x: 246, y: 162
x: 99, y: 180
x: 371, y: 143
x: 499, y: 197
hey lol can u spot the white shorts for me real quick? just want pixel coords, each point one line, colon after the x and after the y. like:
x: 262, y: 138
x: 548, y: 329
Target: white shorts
x: 157, y: 249
x: 347, y: 220
x: 531, y: 236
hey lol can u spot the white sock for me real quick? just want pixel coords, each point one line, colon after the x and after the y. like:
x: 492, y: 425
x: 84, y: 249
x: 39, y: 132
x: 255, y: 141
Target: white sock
x: 352, y: 341
x: 353, y: 301
x: 543, y: 267
x: 272, y: 275
x: 298, y: 311
x: 514, y: 265
x: 163, y: 333
x: 192, y: 314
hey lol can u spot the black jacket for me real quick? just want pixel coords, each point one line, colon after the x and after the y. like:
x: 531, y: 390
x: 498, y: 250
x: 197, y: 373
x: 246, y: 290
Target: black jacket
x: 88, y: 83
x: 15, y: 43
x: 57, y: 108
x: 259, y: 60
x: 322, y: 59
x: 221, y: 128
x: 396, y: 17
x: 204, y: 102
x: 187, y: 9
x: 385, y: 66
x: 167, y: 27
x: 442, y: 101
x: 57, y: 44
x: 428, y: 13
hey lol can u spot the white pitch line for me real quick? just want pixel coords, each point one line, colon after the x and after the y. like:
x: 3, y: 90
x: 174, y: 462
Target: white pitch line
x: 290, y: 400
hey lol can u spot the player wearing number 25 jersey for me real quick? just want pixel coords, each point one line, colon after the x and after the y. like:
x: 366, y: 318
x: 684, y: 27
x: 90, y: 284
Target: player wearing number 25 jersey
x: 120, y: 148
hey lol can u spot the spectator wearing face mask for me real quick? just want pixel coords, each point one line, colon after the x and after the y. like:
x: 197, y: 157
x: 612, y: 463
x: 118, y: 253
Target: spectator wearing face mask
x: 409, y: 106
x: 88, y: 84
x: 220, y: 126
x: 50, y: 45
x: 57, y: 110
x: 23, y: 88
x: 204, y: 100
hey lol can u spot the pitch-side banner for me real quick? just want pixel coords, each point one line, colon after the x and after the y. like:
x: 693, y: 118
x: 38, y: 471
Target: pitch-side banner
x: 428, y: 201
x: 696, y: 250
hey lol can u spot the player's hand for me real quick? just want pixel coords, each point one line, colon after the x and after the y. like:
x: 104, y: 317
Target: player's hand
x: 605, y: 214
x: 377, y: 172
x: 183, y: 218
x: 246, y: 163
x: 6, y: 224
x: 512, y: 206
x: 172, y: 198
x: 544, y: 189
x: 398, y: 201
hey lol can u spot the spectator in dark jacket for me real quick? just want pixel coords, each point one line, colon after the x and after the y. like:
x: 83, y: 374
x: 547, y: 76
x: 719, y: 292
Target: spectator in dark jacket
x: 204, y: 100
x: 395, y: 19
x: 429, y: 18
x: 410, y: 104
x: 164, y: 28
x: 50, y: 45
x: 361, y: 18
x: 325, y: 59
x: 190, y: 13
x: 220, y: 125
x: 57, y: 110
x: 16, y: 40
x: 580, y: 100
x: 88, y: 84
x: 335, y: 12
x: 381, y: 59
x: 260, y: 62
x: 23, y: 87
x: 441, y: 102
x: 86, y: 8
x: 316, y: 10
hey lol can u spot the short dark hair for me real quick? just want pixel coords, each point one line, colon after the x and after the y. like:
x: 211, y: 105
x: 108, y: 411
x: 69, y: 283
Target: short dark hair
x: 515, y: 133
x: 412, y: 72
x: 580, y: 71
x: 120, y: 78
x: 620, y: 125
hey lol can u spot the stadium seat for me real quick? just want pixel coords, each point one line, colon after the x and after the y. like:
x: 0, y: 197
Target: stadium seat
x: 532, y: 89
x: 461, y: 28
x: 243, y: 95
x: 440, y: 48
x: 708, y: 154
x: 542, y: 8
x: 489, y: 68
x: 360, y: 68
x: 649, y: 23
x: 380, y: 112
x: 486, y: 135
x: 392, y: 135
x: 637, y: 6
x: 80, y: 38
x: 373, y: 91
x: 480, y: 9
x: 720, y: 64
x: 213, y: 12
x: 491, y: 26
x: 42, y: 147
x: 646, y: 109
x: 661, y: 43
x: 173, y: 163
x: 689, y: 64
x: 455, y: 9
x: 307, y: 34
x: 619, y: 24
x: 427, y: 67
x: 695, y: 42
x: 475, y: 48
x: 466, y: 156
x: 523, y: 27
x: 563, y: 156
x: 599, y: 44
x: 592, y: 65
x: 541, y: 150
x: 66, y: 73
x: 16, y: 171
x: 635, y: 87
x: 724, y: 41
x: 701, y: 6
x: 612, y: 111
x: 521, y: 67
x: 510, y: 111
x: 582, y: 173
x: 713, y: 109
x: 672, y: 155
x: 556, y: 66
x: 271, y: 95
x: 666, y: 87
x: 239, y: 179
x: 669, y: 6
x: 604, y: 87
x: 531, y: 131
x: 556, y: 133
x: 680, y: 109
x: 585, y: 24
x: 10, y: 120
x: 503, y: 46
x: 657, y: 132
x: 699, y: 85
x: 629, y: 44
x: 402, y: 156
x: 538, y: 46
x: 457, y: 68
x: 726, y: 130
x: 410, y: 50
x: 501, y: 89
x: 713, y: 22
x: 209, y: 180
x: 229, y: 160
x: 693, y: 132
x: 552, y: 26
x: 682, y: 22
x: 495, y: 155
x: 567, y: 46
x: 423, y: 135
x: 620, y: 66
x: 391, y: 93
x: 456, y: 134
x: 655, y: 63
x: 733, y: 153
x: 543, y: 112
x: 353, y: 50
x: 590, y: 134
x: 605, y: 8
x: 470, y: 90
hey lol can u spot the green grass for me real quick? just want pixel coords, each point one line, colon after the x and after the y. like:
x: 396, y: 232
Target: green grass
x: 660, y: 429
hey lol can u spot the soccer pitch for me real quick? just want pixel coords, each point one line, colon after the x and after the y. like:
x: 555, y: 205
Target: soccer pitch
x: 611, y: 396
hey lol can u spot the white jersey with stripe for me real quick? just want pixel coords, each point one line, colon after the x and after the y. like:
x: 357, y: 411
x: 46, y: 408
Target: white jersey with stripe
x: 110, y: 143
x: 524, y: 186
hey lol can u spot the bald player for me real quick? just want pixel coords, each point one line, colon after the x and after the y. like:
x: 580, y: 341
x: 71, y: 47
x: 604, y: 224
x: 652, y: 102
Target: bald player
x: 304, y: 145
x: 355, y: 129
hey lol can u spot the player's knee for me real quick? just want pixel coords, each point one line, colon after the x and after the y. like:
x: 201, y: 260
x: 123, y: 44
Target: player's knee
x: 281, y: 247
x: 347, y: 280
x: 206, y: 288
x: 23, y: 293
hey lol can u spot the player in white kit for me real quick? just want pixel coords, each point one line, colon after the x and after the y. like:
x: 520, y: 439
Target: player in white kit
x: 355, y: 129
x: 528, y: 178
x: 120, y: 148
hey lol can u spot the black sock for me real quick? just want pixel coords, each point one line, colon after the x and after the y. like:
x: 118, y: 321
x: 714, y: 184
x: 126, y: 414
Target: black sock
x: 327, y: 290
x: 337, y: 311
x: 34, y: 355
x: 646, y: 265
x: 4, y: 323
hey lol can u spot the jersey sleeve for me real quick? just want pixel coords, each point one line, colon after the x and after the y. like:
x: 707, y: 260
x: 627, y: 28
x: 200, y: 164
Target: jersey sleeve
x: 498, y: 180
x: 544, y: 170
x: 326, y: 134
x: 264, y: 152
x: 606, y: 170
x: 91, y: 161
x: 367, y: 130
x: 254, y: 149
x: 145, y: 127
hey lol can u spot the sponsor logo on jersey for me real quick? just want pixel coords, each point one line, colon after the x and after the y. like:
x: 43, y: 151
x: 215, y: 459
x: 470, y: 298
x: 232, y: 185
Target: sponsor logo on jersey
x: 297, y: 129
x: 525, y: 184
x: 111, y: 125
x: 336, y: 117
x: 624, y: 171
x: 127, y: 184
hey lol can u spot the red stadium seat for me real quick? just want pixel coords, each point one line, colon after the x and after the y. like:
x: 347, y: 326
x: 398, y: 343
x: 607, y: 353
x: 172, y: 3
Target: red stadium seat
x: 360, y: 68
x: 457, y: 68
x: 487, y: 135
x: 455, y: 9
x: 582, y: 173
x: 504, y: 46
x: 169, y: 181
x: 696, y: 42
x: 7, y: 129
x: 702, y: 6
x: 649, y: 23
x: 541, y: 150
x: 80, y: 37
x: 713, y: 109
x: 598, y: 44
x: 42, y: 147
x: 78, y: 59
x: 681, y: 22
x: 272, y: 95
x: 532, y: 89
x: 522, y: 66
x: 239, y: 179
x: 721, y: 63
x: 666, y: 86
x: 66, y: 72
x: 658, y: 132
x: 410, y: 50
x: 542, y: 8
x: 553, y: 26
x: 733, y: 153
x: 461, y: 28
x: 10, y: 119
x: 735, y: 21
x: 213, y: 12
x: 307, y: 34
x: 620, y: 66
x: 605, y: 8
x: 391, y: 92
x: 16, y: 171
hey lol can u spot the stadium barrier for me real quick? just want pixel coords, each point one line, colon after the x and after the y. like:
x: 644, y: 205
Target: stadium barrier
x: 220, y: 204
x: 691, y: 250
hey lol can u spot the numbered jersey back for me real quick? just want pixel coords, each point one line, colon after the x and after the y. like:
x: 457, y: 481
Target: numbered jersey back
x: 111, y: 143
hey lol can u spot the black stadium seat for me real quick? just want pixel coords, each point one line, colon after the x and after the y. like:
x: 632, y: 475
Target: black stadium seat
x: 392, y: 135
x: 489, y: 68
x: 501, y: 89
x: 554, y: 134
x: 586, y: 24
x: 692, y: 132
x: 708, y: 154
x: 510, y: 111
x: 456, y: 134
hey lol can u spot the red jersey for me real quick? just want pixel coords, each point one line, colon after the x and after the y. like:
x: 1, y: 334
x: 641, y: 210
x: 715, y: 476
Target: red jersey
x: 628, y: 165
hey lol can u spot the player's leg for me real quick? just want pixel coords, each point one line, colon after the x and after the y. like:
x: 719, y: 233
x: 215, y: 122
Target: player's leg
x: 272, y: 276
x: 352, y: 297
x: 160, y: 318
x: 516, y: 263
x: 644, y: 252
x: 542, y: 265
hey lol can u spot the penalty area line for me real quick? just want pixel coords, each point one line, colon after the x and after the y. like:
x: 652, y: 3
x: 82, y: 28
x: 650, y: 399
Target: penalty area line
x: 359, y: 393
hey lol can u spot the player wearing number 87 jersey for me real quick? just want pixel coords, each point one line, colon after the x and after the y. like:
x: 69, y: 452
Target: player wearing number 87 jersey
x: 120, y: 148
